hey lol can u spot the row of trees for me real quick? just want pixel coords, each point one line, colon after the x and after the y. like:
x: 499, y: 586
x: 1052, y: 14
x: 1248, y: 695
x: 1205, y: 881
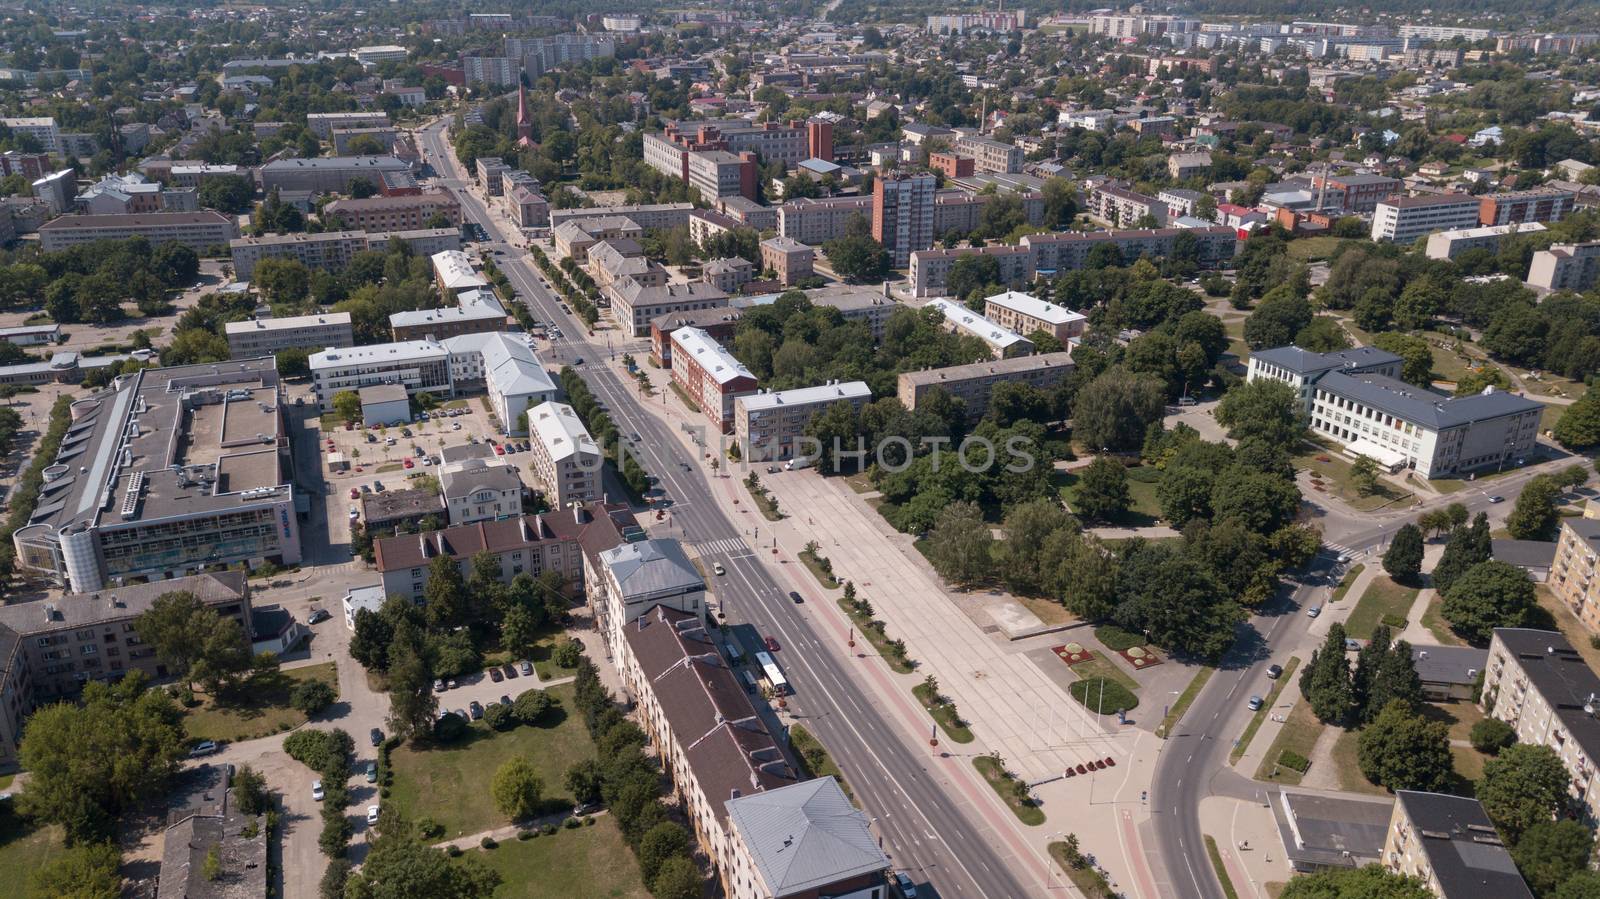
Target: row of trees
x: 604, y: 431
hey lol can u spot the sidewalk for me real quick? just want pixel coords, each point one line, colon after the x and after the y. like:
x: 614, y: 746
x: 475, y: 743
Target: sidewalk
x: 1249, y: 843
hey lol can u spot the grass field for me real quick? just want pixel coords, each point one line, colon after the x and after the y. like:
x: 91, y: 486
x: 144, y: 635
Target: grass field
x: 1344, y: 585
x: 994, y: 772
x: 1437, y: 626
x: 1344, y: 759
x: 1185, y: 699
x: 1144, y: 509
x: 1299, y: 735
x: 450, y: 783
x: 1243, y: 744
x: 1333, y: 471
x: 23, y: 850
x: 582, y: 863
x: 1306, y: 249
x: 263, y: 708
x: 1384, y: 598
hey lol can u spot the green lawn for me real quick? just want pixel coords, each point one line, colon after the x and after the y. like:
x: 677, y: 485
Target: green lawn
x: 1333, y: 472
x: 1299, y: 735
x: 1186, y: 699
x: 1306, y: 249
x: 261, y: 709
x: 1106, y: 668
x: 1344, y: 585
x: 450, y: 783
x: 1145, y: 508
x: 947, y: 714
x: 994, y: 772
x: 23, y: 850
x: 1102, y: 695
x: 584, y: 863
x: 1351, y: 779
x: 1384, y: 599
x: 813, y: 563
x: 1436, y: 625
x: 1243, y: 744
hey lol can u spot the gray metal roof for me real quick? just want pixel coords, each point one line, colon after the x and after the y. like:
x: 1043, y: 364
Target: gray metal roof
x: 651, y: 566
x: 1462, y: 846
x: 1560, y: 676
x: 806, y: 836
x: 1424, y: 407
x: 1306, y: 362
x: 1449, y: 664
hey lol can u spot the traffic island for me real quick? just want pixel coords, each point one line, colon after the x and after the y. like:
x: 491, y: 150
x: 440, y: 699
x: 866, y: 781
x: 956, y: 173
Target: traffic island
x: 1010, y: 788
x: 942, y: 710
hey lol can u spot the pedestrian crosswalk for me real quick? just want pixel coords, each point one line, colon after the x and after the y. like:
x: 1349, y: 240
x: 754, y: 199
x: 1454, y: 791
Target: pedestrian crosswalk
x: 1339, y: 549
x: 728, y: 546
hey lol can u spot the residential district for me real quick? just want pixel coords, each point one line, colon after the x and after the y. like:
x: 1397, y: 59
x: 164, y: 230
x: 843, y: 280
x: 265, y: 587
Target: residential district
x: 844, y: 449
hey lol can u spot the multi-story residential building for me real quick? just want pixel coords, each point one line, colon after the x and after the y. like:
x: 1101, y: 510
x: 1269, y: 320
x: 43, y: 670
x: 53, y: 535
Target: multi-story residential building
x: 902, y: 215
x: 528, y: 207
x: 628, y: 581
x: 421, y: 366
x: 480, y: 490
x: 999, y: 22
x: 710, y: 375
x: 633, y: 305
x: 1537, y: 683
x: 132, y: 193
x: 478, y: 312
x: 951, y: 165
x: 1353, y: 397
x: 705, y: 161
x: 199, y: 231
x: 1026, y: 314
x: 41, y: 128
x: 816, y: 222
x: 344, y: 138
x: 813, y: 819
x: 651, y: 215
x: 322, y: 123
x: 368, y: 56
x: 269, y: 336
x: 771, y: 425
x: 506, y: 369
x: 1445, y: 32
x: 1003, y: 342
x: 55, y: 647
x: 620, y: 257
x: 1572, y: 572
x: 1566, y: 266
x: 166, y: 473
x: 404, y: 213
x: 1182, y: 166
x: 1047, y: 254
x: 491, y: 172
x: 1354, y: 193
x: 574, y: 237
x: 1404, y: 219
x: 1124, y: 208
x: 790, y: 259
x: 328, y: 250
x: 454, y: 273
x: 423, y: 241
x: 1449, y: 843
x: 566, y: 460
x: 28, y: 165
x: 988, y: 154
x: 328, y: 174
x: 1542, y: 204
x: 541, y: 54
x: 727, y: 274
x: 961, y: 211
x: 1450, y: 244
x: 494, y: 71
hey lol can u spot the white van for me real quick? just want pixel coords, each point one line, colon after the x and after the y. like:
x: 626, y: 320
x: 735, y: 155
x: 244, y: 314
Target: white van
x: 798, y: 463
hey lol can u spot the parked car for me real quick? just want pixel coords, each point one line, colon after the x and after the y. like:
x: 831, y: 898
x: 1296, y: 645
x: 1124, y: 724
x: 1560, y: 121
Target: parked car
x: 438, y: 685
x: 450, y: 684
x: 372, y: 772
x: 505, y: 699
x: 316, y: 791
x: 495, y: 675
x: 902, y: 882
x: 204, y: 748
x: 476, y: 708
x: 1352, y: 645
x: 1497, y: 499
x: 317, y: 615
x: 354, y: 493
x: 1255, y: 703
x: 376, y: 736
x: 1274, y: 672
x: 372, y: 815
x: 524, y: 667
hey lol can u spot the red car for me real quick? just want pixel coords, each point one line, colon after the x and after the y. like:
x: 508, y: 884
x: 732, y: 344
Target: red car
x: 409, y: 464
x: 354, y: 493
x: 772, y: 644
x: 499, y: 450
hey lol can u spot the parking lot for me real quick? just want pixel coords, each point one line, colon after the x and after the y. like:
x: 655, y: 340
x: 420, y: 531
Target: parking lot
x: 481, y: 687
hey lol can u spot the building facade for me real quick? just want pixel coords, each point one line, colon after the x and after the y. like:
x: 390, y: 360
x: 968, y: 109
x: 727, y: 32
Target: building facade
x: 405, y: 213
x: 329, y: 250
x: 199, y: 231
x: 1449, y: 843
x: 566, y: 460
x: 1537, y: 683
x: 1405, y: 219
x: 788, y: 258
x: 769, y: 425
x: 1025, y: 314
x: 974, y: 383
x: 710, y: 375
x: 902, y: 215
x: 269, y: 336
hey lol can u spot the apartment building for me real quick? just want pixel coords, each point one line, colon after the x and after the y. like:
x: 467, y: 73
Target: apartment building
x: 566, y: 460
x: 1449, y: 843
x: 1542, y: 204
x: 1047, y: 254
x: 328, y: 174
x: 618, y: 257
x: 1450, y: 244
x: 961, y: 211
x: 478, y: 312
x: 1572, y: 572
x: 403, y: 213
x: 494, y: 71
x: 269, y: 336
x: 728, y: 274
x: 951, y: 165
x: 902, y: 215
x: 1125, y: 208
x: 1026, y: 314
x: 1405, y: 219
x: 649, y: 215
x: 816, y: 222
x: 199, y: 231
x: 529, y: 208
x: 1537, y: 683
x: 710, y: 375
x: 491, y: 172
x: 1566, y: 266
x: 423, y: 241
x: 814, y: 820
x: 1003, y: 342
x: 166, y: 473
x: 322, y: 124
x: 574, y: 237
x: 1182, y: 166
x: 770, y: 425
x: 454, y: 273
x: 973, y: 383
x: 344, y: 138
x: 633, y: 305
x: 480, y: 490
x: 421, y: 366
x: 329, y: 250
x: 929, y: 270
x: 705, y: 161
x: 41, y: 128
x: 1399, y: 425
x: 790, y: 259
x: 1356, y: 193
x: 49, y: 650
x: 503, y: 366
x: 988, y: 154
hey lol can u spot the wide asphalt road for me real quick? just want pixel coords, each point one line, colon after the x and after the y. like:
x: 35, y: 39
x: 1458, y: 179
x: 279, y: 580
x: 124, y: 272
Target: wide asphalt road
x: 917, y: 821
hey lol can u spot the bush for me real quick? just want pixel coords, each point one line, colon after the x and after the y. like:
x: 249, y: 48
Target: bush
x: 1394, y: 622
x: 533, y: 705
x: 500, y: 717
x: 567, y: 653
x: 326, y: 752
x: 1491, y: 735
x: 1117, y: 639
x: 335, y: 836
x: 527, y: 834
x: 430, y: 828
x: 1294, y: 760
x: 333, y: 879
x: 454, y: 851
x: 571, y: 823
x: 548, y: 829
x: 488, y: 843
x: 450, y: 728
x: 312, y: 696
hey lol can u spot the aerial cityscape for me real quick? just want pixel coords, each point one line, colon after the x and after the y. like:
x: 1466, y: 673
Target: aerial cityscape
x: 813, y: 450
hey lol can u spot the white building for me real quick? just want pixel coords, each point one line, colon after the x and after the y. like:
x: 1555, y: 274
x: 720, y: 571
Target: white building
x: 40, y: 128
x: 453, y: 270
x: 769, y: 425
x: 1450, y: 244
x: 418, y: 365
x: 510, y: 372
x: 480, y: 490
x: 1003, y: 342
x: 1566, y: 266
x: 1025, y: 314
x: 267, y: 336
x: 1404, y: 219
x: 370, y: 598
x: 566, y: 460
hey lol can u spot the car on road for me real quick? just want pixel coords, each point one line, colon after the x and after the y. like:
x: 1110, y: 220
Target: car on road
x: 317, y: 615
x: 717, y: 567
x: 1497, y: 499
x: 376, y: 736
x: 476, y: 708
x: 372, y: 772
x: 495, y: 675
x: 524, y: 667
x: 316, y: 791
x: 902, y: 882
x: 578, y: 361
x: 372, y: 815
x: 1255, y: 703
x: 1314, y: 611
x: 1274, y: 672
x: 796, y: 598
x: 772, y: 644
x: 204, y: 748
x: 438, y: 685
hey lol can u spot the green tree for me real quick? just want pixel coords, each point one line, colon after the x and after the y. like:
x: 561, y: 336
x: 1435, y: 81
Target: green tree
x: 1262, y: 410
x: 584, y: 779
x: 1582, y: 885
x: 312, y: 696
x: 1402, y: 750
x: 445, y: 594
x: 230, y: 194
x: 1279, y: 316
x: 1364, y: 475
x: 194, y: 640
x: 1403, y: 559
x: 1395, y: 679
x: 1086, y: 579
x: 678, y: 879
x: 347, y: 403
x: 1524, y: 785
x: 519, y: 631
x: 960, y: 543
x: 1489, y: 595
x: 516, y: 789
x: 1030, y: 551
x: 1416, y: 359
x: 1184, y: 493
x: 1113, y: 411
x: 1535, y: 516
x: 857, y: 258
x: 1102, y: 493
x: 662, y: 842
x: 1490, y: 735
x: 400, y: 866
x: 1550, y: 852
x: 361, y: 188
x: 412, y: 702
x: 1578, y: 428
x: 1467, y: 547
x: 1369, y: 882
x: 533, y: 705
x: 1325, y: 681
x: 250, y: 790
x: 86, y: 871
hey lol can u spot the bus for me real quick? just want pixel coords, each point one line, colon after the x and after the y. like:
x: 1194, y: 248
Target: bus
x: 772, y: 675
